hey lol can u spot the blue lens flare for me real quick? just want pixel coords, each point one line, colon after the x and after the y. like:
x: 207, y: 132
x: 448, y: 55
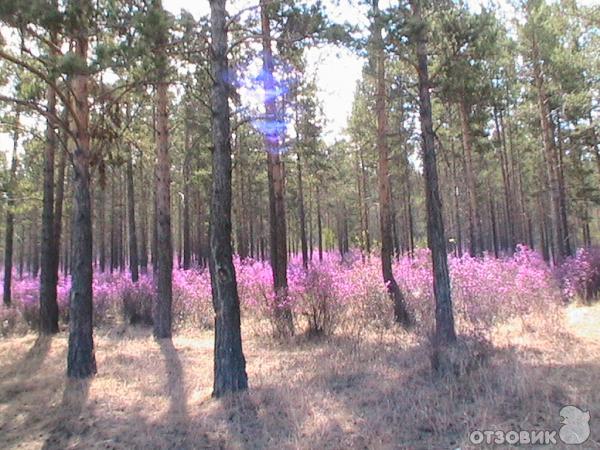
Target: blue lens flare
x: 251, y: 85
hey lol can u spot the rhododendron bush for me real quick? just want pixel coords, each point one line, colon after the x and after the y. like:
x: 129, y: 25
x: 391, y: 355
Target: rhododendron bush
x: 336, y: 292
x: 580, y: 275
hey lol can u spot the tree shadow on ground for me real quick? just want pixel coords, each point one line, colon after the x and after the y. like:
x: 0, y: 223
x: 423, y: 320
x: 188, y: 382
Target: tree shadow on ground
x: 177, y: 417
x: 69, y: 413
x: 31, y: 361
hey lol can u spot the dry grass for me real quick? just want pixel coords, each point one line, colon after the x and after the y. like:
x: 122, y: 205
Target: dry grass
x: 340, y: 392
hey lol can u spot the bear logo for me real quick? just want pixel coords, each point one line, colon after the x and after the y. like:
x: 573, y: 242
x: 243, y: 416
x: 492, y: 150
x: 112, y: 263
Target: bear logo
x: 576, y: 427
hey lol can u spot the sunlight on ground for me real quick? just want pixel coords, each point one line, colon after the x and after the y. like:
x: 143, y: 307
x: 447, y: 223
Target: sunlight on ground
x: 584, y: 321
x: 341, y: 392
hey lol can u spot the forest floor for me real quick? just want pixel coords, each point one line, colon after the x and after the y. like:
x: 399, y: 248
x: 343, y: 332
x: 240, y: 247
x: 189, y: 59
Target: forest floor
x: 340, y: 392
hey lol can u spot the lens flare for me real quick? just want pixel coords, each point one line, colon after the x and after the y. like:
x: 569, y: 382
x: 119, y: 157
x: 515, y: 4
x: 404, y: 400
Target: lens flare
x: 251, y: 85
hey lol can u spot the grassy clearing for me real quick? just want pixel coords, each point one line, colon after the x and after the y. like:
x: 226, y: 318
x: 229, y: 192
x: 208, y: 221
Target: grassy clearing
x: 340, y: 392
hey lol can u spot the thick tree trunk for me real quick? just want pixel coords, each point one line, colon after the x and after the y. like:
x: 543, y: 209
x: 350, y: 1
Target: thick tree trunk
x: 81, y: 362
x: 48, y: 276
x: 276, y: 177
x: 133, y: 255
x: 401, y: 314
x: 162, y: 307
x: 10, y: 219
x: 444, y: 318
x: 229, y: 362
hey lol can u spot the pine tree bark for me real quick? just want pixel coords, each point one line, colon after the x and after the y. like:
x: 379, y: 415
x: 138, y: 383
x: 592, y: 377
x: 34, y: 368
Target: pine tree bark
x: 162, y: 307
x: 444, y: 318
x: 401, y: 314
x: 229, y: 362
x: 48, y: 276
x: 81, y: 361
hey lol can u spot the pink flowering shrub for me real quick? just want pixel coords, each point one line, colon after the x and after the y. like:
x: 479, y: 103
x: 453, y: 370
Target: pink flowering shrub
x: 317, y: 294
x: 489, y: 289
x: 579, y: 275
x: 192, y: 300
x: 334, y: 293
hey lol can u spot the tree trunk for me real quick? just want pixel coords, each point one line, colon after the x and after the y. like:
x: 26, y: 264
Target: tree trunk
x: 242, y: 236
x: 408, y: 203
x: 444, y: 318
x: 113, y: 223
x: 276, y: 177
x: 475, y: 237
x: 319, y: 225
x: 401, y: 314
x: 133, y: 255
x: 506, y: 181
x: 229, y: 362
x: 48, y: 276
x: 302, y: 215
x: 162, y: 308
x: 81, y: 361
x: 187, y: 242
x: 494, y: 226
x: 58, y: 205
x: 365, y: 206
x: 102, y: 228
x: 143, y: 252
x: 562, y: 194
x: 10, y: 219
